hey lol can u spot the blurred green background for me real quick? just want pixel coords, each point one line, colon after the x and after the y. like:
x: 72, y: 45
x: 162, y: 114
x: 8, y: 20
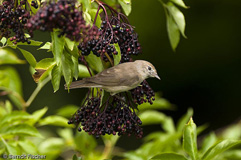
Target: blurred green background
x: 203, y: 73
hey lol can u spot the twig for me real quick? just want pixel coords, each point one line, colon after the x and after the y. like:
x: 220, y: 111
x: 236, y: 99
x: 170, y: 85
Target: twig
x: 36, y: 91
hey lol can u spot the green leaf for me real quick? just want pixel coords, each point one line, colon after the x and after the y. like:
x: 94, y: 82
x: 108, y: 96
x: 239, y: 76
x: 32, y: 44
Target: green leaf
x: 10, y: 79
x: 3, y: 112
x: 67, y: 111
x: 201, y: 128
x: 43, y: 69
x: 110, y: 139
x: 14, y: 46
x: 14, y: 117
x: 117, y: 57
x: 39, y: 114
x: 232, y: 155
x: 152, y: 117
x: 110, y: 2
x: 209, y: 140
x: 82, y: 140
x: 29, y: 57
x: 51, y: 147
x: 69, y: 43
x: 3, y: 40
x: 66, y: 133
x: 169, y: 156
x: 173, y: 32
x: 33, y: 43
x: 75, y: 69
x: 22, y: 129
x: 56, y: 77
x: 92, y: 13
x: 180, y: 3
x: 55, y: 121
x: 177, y: 16
x: 134, y: 156
x: 11, y: 83
x: 67, y: 67
x: 45, y: 63
x: 126, y: 6
x: 94, y: 62
x: 12, y: 149
x: 47, y: 45
x: 34, y: 10
x: 232, y: 132
x: 74, y: 52
x: 83, y: 71
x: 57, y: 46
x: 26, y: 34
x: 2, y: 150
x: 8, y: 56
x: 127, y: 1
x: 76, y: 158
x: 168, y: 125
x: 8, y: 106
x: 218, y: 148
x: 190, y: 139
x: 159, y: 103
x: 86, y: 4
x: 28, y: 147
x: 184, y: 119
x: 87, y: 18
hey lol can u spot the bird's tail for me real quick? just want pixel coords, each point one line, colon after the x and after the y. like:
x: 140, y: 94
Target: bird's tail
x: 81, y: 84
x: 76, y: 84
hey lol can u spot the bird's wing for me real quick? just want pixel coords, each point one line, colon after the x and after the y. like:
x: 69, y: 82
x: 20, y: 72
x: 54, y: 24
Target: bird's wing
x: 115, y: 76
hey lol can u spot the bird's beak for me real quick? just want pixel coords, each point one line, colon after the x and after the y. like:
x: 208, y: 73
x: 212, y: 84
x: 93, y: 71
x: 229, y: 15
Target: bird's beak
x: 157, y: 77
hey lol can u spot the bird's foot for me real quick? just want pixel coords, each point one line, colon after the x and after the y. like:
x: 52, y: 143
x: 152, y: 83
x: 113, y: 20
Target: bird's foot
x: 120, y: 98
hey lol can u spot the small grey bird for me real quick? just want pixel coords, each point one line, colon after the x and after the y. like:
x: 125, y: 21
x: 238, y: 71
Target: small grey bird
x: 120, y: 78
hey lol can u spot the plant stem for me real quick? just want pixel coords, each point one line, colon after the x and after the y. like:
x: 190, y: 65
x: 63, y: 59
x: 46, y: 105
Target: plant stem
x: 83, y: 59
x: 96, y: 14
x: 36, y: 91
x: 109, y: 146
x: 100, y: 4
x: 111, y: 62
x: 108, y: 149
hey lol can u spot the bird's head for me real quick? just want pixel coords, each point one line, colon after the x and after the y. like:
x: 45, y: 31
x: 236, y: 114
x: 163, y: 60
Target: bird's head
x: 148, y: 69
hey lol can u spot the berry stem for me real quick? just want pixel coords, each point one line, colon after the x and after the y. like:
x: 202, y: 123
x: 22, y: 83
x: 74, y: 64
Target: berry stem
x: 101, y: 5
x: 28, y: 6
x: 112, y: 9
x: 83, y: 59
x: 96, y: 14
x: 15, y: 4
x: 111, y: 62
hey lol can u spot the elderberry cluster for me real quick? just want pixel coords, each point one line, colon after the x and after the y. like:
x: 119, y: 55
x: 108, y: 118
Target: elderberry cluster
x: 143, y: 93
x: 60, y: 15
x: 114, y: 117
x: 127, y: 40
x: 13, y: 17
x: 101, y: 41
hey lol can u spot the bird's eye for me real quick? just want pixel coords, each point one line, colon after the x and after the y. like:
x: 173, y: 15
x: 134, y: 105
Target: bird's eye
x: 149, y: 68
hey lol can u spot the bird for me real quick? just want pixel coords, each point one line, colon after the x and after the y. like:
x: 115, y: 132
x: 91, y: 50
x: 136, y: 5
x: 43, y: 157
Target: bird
x: 119, y: 78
